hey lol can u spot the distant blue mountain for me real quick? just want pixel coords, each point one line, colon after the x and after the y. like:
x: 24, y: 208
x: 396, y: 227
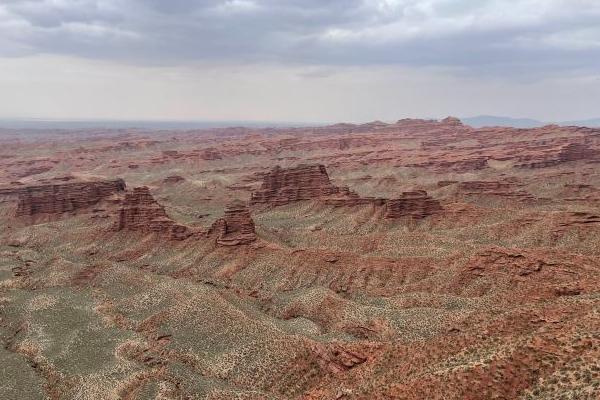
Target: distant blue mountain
x: 490, y: 120
x: 592, y: 123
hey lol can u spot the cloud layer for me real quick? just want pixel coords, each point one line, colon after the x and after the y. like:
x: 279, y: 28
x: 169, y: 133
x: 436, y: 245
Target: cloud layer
x: 506, y: 38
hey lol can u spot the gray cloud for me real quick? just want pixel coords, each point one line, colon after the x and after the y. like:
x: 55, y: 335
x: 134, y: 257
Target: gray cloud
x: 510, y: 38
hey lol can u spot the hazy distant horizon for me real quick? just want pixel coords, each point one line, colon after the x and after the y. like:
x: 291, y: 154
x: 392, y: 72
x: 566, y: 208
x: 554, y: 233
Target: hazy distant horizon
x: 66, y: 124
x: 48, y: 123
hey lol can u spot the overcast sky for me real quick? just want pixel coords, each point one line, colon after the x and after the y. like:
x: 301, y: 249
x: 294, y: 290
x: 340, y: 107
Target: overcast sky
x: 299, y: 60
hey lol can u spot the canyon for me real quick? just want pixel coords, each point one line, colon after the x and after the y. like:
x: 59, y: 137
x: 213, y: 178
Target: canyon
x: 415, y: 259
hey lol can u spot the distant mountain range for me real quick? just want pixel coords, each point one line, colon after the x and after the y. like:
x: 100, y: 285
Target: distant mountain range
x: 491, y: 120
x: 594, y: 123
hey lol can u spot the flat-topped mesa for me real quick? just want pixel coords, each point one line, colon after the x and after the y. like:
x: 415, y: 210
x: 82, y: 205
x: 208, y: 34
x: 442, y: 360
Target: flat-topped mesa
x: 235, y: 228
x: 67, y: 197
x: 303, y: 182
x: 417, y: 204
x: 140, y: 212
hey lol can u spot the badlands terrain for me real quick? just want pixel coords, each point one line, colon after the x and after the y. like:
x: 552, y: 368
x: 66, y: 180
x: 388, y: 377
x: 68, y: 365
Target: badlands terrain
x: 412, y: 260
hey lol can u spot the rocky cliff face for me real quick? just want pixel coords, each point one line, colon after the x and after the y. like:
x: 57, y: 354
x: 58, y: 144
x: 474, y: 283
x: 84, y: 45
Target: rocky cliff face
x: 140, y: 212
x: 311, y: 182
x: 235, y: 228
x: 549, y: 155
x: 576, y: 152
x: 417, y: 204
x: 64, y: 197
x: 304, y: 182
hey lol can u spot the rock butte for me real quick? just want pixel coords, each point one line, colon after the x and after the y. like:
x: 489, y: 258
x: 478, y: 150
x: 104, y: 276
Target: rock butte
x: 304, y: 182
x: 140, y: 212
x: 235, y: 228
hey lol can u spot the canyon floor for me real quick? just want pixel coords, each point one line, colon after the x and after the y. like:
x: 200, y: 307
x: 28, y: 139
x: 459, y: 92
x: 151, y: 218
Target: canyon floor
x: 409, y: 260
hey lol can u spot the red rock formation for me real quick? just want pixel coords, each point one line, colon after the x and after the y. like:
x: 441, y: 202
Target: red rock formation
x: 171, y: 153
x: 64, y: 197
x: 455, y: 163
x: 446, y: 183
x: 578, y: 218
x: 304, y: 182
x: 235, y: 228
x: 509, y: 189
x: 347, y: 198
x: 311, y: 182
x: 452, y: 121
x: 519, y: 273
x: 335, y: 359
x: 576, y: 152
x: 140, y: 212
x: 546, y: 156
x: 173, y: 179
x: 211, y: 154
x: 34, y: 171
x: 417, y: 204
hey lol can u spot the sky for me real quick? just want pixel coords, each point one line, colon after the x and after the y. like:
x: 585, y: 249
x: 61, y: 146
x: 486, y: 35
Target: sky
x: 299, y: 60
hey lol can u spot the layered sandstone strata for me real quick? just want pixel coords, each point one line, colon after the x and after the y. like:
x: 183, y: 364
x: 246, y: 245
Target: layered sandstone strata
x: 417, y: 204
x: 348, y: 198
x: 335, y: 358
x: 506, y: 188
x: 304, y: 182
x: 235, y: 228
x: 569, y: 152
x: 579, y: 218
x: 211, y: 154
x: 576, y: 152
x: 311, y: 182
x: 64, y: 197
x: 173, y: 179
x: 141, y: 212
